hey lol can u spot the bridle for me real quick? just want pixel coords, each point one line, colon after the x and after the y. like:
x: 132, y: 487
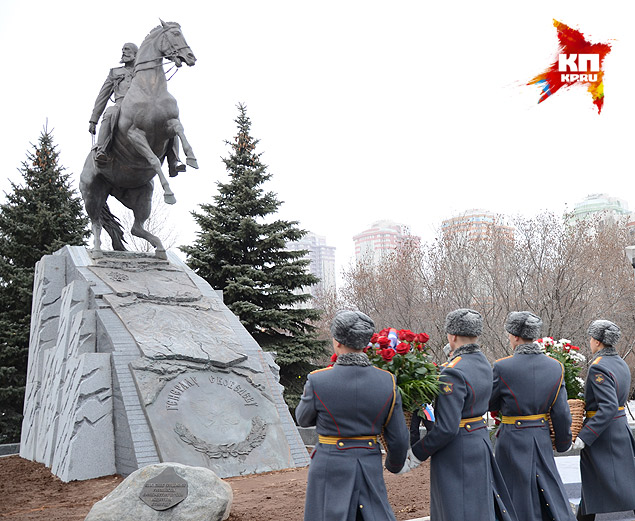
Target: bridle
x: 168, y: 51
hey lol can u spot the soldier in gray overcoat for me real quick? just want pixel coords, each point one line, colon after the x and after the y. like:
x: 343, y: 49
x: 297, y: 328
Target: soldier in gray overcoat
x: 607, y: 459
x: 528, y: 386
x: 349, y: 404
x: 465, y: 482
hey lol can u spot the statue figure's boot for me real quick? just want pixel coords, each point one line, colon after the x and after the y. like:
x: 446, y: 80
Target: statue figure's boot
x: 174, y: 163
x: 174, y: 167
x: 103, y: 140
x: 101, y: 157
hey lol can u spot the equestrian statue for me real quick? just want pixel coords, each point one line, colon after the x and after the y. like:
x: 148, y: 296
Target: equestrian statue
x: 136, y: 135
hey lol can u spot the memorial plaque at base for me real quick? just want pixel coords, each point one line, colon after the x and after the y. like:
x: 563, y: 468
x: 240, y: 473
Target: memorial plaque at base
x: 165, y: 491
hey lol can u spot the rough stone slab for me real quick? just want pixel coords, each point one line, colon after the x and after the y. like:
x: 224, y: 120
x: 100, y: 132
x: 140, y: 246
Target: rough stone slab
x: 74, y: 299
x: 208, y: 497
x: 85, y: 443
x: 49, y: 281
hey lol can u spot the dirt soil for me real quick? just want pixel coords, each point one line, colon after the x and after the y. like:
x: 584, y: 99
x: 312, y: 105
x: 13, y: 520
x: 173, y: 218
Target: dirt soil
x: 29, y: 492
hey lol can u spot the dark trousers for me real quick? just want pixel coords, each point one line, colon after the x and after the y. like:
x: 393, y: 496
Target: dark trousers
x: 583, y: 517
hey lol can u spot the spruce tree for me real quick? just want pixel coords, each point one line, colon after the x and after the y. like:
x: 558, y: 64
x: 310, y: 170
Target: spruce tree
x: 37, y: 218
x: 240, y: 249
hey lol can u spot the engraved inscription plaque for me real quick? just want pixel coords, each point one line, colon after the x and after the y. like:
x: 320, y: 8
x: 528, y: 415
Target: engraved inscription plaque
x: 221, y: 420
x: 165, y: 491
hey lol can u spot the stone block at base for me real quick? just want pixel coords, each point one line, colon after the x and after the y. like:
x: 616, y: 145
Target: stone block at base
x: 208, y: 497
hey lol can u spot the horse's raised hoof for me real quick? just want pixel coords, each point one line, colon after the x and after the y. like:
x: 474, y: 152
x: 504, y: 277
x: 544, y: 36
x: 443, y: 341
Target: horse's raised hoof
x: 169, y: 198
x: 160, y: 254
x: 191, y: 161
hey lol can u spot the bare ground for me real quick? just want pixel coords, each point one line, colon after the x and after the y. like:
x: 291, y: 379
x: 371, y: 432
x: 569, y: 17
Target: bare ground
x: 29, y: 492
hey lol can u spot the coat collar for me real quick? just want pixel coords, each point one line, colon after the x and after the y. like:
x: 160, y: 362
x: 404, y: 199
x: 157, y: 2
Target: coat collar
x: 466, y: 350
x: 359, y: 359
x: 528, y: 349
x: 607, y: 351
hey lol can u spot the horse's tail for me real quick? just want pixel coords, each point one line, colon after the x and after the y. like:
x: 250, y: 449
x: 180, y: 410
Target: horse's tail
x: 113, y: 227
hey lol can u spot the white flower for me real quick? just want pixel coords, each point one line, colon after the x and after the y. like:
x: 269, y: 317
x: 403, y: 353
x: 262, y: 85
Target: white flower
x: 577, y: 356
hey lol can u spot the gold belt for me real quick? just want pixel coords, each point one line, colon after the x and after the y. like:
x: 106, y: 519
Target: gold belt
x: 511, y: 420
x: 334, y: 440
x: 466, y: 421
x: 591, y: 414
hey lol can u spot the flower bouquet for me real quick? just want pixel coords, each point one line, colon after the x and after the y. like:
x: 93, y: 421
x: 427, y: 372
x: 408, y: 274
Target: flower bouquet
x: 571, y: 358
x: 405, y: 354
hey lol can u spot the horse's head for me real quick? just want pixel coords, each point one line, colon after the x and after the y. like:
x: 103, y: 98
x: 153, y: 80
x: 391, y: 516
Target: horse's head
x: 173, y: 45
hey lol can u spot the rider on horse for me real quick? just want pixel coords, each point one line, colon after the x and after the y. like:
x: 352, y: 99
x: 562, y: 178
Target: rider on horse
x: 117, y: 84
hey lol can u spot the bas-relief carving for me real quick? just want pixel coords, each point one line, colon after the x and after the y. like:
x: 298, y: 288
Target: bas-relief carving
x: 172, y: 332
x: 165, y: 304
x: 218, y: 420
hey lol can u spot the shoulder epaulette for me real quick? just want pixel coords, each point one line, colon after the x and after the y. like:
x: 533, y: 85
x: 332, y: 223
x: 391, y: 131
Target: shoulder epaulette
x: 504, y: 358
x: 454, y: 362
x: 320, y: 370
x: 596, y: 360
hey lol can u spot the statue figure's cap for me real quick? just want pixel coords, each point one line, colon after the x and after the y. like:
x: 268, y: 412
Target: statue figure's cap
x: 133, y: 46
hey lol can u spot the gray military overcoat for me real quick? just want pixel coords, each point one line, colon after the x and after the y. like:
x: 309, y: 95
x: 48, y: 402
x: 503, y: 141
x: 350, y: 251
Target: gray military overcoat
x: 465, y: 482
x: 525, y: 384
x: 347, y: 401
x: 607, y: 462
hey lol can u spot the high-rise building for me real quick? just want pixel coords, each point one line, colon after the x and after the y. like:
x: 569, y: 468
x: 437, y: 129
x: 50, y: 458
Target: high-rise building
x: 630, y: 227
x: 601, y: 205
x: 322, y: 259
x: 382, y: 238
x: 476, y: 224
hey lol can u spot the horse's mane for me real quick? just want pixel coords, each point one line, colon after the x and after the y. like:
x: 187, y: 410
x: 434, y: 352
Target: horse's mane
x: 158, y: 28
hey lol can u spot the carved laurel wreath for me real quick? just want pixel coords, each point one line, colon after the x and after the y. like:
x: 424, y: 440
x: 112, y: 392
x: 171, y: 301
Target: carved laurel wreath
x: 254, y: 439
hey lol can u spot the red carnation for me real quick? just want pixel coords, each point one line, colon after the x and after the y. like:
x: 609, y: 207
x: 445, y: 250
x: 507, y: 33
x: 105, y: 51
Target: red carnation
x: 403, y: 348
x: 383, y: 341
x: 539, y: 340
x: 387, y: 354
x: 575, y: 347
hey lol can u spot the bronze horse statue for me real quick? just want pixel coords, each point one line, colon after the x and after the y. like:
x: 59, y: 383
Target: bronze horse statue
x: 147, y: 123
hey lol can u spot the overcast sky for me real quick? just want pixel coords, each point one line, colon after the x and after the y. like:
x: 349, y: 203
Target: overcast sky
x: 405, y: 110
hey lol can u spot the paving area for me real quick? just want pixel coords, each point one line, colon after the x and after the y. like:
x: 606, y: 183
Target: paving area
x: 569, y: 468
